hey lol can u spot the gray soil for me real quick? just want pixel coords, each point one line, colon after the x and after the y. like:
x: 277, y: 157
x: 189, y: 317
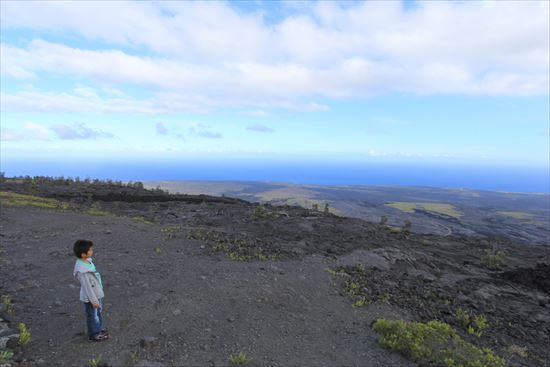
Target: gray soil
x: 191, y: 280
x: 200, y: 309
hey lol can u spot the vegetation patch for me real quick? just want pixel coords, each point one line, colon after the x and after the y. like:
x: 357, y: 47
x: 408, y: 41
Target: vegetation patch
x: 239, y: 359
x: 96, y: 362
x: 262, y: 212
x: 238, y: 247
x: 474, y: 324
x: 494, y: 260
x: 517, y: 350
x: 24, y: 334
x: 7, y: 301
x: 5, y: 356
x: 171, y: 232
x: 14, y: 199
x: 434, y: 343
x: 516, y: 215
x: 440, y: 208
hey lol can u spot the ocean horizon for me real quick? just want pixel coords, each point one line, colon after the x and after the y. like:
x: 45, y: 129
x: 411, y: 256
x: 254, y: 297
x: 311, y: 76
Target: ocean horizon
x: 480, y: 177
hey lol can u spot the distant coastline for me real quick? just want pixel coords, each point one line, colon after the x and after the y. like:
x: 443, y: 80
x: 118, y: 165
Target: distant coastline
x: 488, y: 178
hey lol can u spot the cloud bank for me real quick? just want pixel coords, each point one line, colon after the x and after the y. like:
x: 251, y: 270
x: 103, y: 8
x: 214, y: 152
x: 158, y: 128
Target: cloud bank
x: 197, y: 56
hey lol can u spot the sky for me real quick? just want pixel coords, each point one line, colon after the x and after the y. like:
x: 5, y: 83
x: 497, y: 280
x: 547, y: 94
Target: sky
x: 421, y: 82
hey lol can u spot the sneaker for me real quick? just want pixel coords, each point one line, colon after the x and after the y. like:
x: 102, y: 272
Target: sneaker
x: 99, y: 337
x: 105, y: 331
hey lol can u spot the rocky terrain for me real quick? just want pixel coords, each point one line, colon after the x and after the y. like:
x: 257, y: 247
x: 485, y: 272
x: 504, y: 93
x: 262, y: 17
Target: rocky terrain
x: 521, y: 217
x: 192, y: 280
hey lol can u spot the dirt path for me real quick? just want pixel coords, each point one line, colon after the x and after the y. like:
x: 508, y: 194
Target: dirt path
x: 198, y: 308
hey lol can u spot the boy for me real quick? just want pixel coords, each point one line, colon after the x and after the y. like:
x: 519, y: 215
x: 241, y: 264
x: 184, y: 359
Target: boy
x: 91, y: 290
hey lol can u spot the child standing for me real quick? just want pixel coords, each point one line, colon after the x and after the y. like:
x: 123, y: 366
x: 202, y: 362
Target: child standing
x: 91, y: 290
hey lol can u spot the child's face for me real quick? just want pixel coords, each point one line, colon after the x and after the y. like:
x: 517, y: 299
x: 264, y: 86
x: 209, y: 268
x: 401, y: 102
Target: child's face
x: 88, y: 254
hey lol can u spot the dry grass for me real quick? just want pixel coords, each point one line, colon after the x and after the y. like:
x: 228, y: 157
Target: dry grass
x: 13, y: 199
x: 441, y: 208
x: 516, y: 215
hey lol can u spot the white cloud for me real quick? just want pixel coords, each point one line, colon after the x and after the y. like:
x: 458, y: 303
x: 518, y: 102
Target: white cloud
x: 30, y: 131
x: 201, y: 129
x: 260, y: 128
x: 207, y: 54
x: 78, y: 131
x: 257, y: 113
x: 160, y: 103
x: 161, y: 129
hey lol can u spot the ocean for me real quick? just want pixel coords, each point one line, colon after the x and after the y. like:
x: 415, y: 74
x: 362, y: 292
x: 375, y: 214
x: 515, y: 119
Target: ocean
x: 482, y: 177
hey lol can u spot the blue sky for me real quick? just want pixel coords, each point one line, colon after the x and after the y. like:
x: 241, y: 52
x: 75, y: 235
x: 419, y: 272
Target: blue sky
x: 418, y: 82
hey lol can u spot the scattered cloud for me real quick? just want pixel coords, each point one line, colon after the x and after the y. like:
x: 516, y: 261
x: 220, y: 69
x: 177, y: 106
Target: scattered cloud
x: 260, y: 128
x: 78, y: 131
x: 30, y: 131
x: 211, y: 54
x: 208, y: 134
x: 202, y: 130
x: 161, y: 130
x: 257, y: 113
x: 160, y: 103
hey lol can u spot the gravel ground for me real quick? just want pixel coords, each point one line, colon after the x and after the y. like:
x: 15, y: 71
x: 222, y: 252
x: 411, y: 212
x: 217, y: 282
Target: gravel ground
x: 196, y: 309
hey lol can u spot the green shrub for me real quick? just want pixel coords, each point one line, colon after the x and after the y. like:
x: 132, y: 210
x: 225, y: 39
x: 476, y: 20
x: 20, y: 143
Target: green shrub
x: 475, y: 325
x: 261, y: 212
x: 5, y: 356
x: 462, y: 317
x: 334, y: 272
x: 360, y: 302
x: 24, y: 334
x: 95, y: 362
x: 494, y: 261
x: 239, y: 359
x: 6, y: 300
x: 434, y: 343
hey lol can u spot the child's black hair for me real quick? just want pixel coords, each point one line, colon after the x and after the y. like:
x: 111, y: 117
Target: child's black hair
x: 82, y: 246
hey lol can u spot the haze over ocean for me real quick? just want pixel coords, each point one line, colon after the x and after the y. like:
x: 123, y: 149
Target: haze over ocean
x: 481, y: 177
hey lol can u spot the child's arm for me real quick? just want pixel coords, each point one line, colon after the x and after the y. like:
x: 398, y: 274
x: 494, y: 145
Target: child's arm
x: 85, y: 282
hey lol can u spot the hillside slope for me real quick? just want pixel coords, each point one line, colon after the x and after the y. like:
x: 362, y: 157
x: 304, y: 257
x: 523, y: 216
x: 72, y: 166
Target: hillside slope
x: 199, y: 280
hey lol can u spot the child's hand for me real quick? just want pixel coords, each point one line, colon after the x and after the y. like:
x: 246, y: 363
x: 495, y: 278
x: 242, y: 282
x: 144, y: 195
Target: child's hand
x: 96, y: 305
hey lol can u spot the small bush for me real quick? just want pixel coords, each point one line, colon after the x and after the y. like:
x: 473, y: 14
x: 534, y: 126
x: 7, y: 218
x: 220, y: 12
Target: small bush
x: 239, y: 359
x: 517, y: 350
x: 334, y: 272
x: 6, y: 300
x: 494, y: 261
x: 360, y: 302
x: 475, y: 325
x: 5, y: 356
x: 96, y: 362
x: 462, y: 317
x: 434, y: 343
x: 24, y: 334
x: 261, y: 212
x: 353, y: 288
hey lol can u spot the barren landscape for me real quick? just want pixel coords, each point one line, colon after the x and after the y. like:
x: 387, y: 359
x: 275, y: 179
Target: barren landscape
x: 194, y: 280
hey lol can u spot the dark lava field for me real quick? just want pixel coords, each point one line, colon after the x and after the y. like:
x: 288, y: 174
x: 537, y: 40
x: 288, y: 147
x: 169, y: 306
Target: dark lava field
x: 192, y: 280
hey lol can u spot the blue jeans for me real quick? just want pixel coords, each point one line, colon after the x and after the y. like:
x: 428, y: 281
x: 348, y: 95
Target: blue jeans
x: 94, y: 320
